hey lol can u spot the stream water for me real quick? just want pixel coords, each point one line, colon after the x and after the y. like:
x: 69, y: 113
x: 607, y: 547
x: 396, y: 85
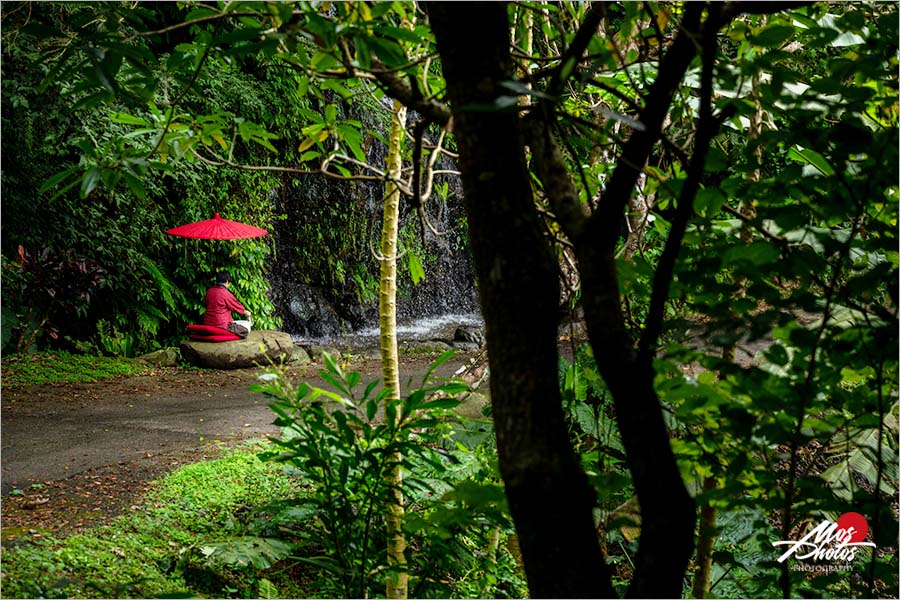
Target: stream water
x: 440, y: 327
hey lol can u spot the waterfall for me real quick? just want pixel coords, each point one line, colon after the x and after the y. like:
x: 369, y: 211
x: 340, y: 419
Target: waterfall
x: 324, y: 278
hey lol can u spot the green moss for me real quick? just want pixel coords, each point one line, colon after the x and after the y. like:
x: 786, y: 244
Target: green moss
x: 63, y: 367
x: 148, y: 552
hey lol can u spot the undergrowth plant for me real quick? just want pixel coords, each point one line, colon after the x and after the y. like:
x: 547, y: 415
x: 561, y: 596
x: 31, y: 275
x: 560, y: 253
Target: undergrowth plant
x: 342, y: 444
x: 147, y: 553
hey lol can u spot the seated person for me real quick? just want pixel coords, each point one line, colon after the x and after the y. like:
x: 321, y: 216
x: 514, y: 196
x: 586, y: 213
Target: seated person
x: 220, y: 303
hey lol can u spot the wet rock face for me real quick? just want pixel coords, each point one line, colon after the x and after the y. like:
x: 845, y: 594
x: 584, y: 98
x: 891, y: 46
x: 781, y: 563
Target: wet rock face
x: 323, y: 280
x: 259, y: 348
x: 310, y: 313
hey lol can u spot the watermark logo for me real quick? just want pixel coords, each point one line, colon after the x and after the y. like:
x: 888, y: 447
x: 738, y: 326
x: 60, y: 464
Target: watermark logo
x: 835, y: 541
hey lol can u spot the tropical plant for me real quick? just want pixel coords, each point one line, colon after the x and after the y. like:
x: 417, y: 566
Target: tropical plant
x: 47, y: 291
x: 344, y: 446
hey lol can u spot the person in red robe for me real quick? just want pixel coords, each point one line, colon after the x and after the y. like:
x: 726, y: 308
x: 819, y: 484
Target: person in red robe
x: 220, y: 303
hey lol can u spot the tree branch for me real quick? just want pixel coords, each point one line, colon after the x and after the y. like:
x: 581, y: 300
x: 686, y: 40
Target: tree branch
x: 399, y: 88
x: 221, y: 162
x: 707, y: 128
x: 572, y: 55
x: 604, y: 224
x: 571, y: 213
x: 214, y: 17
x: 184, y: 92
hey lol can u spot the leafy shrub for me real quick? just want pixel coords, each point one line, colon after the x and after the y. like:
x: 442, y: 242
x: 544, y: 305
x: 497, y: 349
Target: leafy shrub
x: 46, y: 290
x: 342, y: 444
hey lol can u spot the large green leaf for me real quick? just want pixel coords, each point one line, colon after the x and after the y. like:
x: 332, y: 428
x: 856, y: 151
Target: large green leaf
x: 260, y: 553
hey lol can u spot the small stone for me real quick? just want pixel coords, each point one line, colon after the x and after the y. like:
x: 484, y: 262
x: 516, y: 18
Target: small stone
x: 166, y: 357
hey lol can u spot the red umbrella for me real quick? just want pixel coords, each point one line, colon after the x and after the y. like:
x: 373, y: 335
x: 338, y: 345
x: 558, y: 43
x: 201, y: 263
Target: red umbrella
x: 217, y: 228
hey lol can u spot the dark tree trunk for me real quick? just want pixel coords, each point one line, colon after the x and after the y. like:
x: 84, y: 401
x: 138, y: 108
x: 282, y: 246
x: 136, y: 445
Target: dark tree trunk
x: 549, y: 496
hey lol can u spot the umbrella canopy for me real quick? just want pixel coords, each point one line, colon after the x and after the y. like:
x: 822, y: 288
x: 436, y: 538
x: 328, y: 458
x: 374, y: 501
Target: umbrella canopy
x: 217, y: 228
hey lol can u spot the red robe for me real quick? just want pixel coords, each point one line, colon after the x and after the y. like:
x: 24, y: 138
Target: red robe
x: 219, y: 304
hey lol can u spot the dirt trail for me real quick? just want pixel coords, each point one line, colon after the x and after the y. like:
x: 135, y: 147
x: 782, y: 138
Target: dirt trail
x: 76, y: 453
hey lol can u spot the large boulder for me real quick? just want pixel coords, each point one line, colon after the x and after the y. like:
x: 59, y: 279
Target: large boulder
x: 259, y: 348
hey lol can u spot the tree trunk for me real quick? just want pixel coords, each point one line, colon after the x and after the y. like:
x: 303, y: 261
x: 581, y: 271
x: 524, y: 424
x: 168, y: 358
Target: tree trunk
x: 549, y: 496
x: 387, y: 316
x: 706, y: 540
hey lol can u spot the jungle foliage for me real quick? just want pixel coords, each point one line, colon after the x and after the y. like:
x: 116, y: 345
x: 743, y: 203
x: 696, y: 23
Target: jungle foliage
x: 74, y: 186
x: 344, y: 442
x: 715, y: 185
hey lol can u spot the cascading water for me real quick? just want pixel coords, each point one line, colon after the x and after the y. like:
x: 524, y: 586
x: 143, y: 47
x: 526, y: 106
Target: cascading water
x: 324, y: 278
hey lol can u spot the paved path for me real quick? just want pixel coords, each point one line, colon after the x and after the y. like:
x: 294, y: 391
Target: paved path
x: 53, y: 432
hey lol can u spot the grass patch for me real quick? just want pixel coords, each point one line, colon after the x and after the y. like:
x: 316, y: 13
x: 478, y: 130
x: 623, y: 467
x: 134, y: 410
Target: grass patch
x: 149, y: 553
x: 64, y: 367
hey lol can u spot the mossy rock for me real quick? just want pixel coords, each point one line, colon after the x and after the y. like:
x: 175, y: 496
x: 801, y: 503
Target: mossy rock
x: 422, y: 348
x: 164, y: 357
x: 472, y: 405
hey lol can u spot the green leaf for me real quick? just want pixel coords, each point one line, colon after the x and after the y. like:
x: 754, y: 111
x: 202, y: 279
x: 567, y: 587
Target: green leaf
x: 810, y: 157
x: 352, y: 379
x: 54, y: 180
x: 331, y: 364
x: 89, y: 181
x: 93, y: 100
x: 330, y: 113
x: 416, y: 272
x: 334, y: 381
x: 708, y: 201
x: 567, y: 67
x: 135, y: 185
x: 439, y: 403
x: 399, y: 33
x: 388, y: 51
x: 436, y: 363
x: 199, y: 12
x: 478, y: 496
x: 323, y: 562
x: 302, y: 86
x: 371, y: 386
x: 774, y: 35
x: 777, y: 355
x: 261, y: 553
x: 120, y: 117
x: 755, y: 253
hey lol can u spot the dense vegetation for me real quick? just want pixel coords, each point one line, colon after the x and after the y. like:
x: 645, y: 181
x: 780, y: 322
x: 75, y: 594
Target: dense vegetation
x: 96, y: 271
x: 712, y: 187
x: 157, y: 550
